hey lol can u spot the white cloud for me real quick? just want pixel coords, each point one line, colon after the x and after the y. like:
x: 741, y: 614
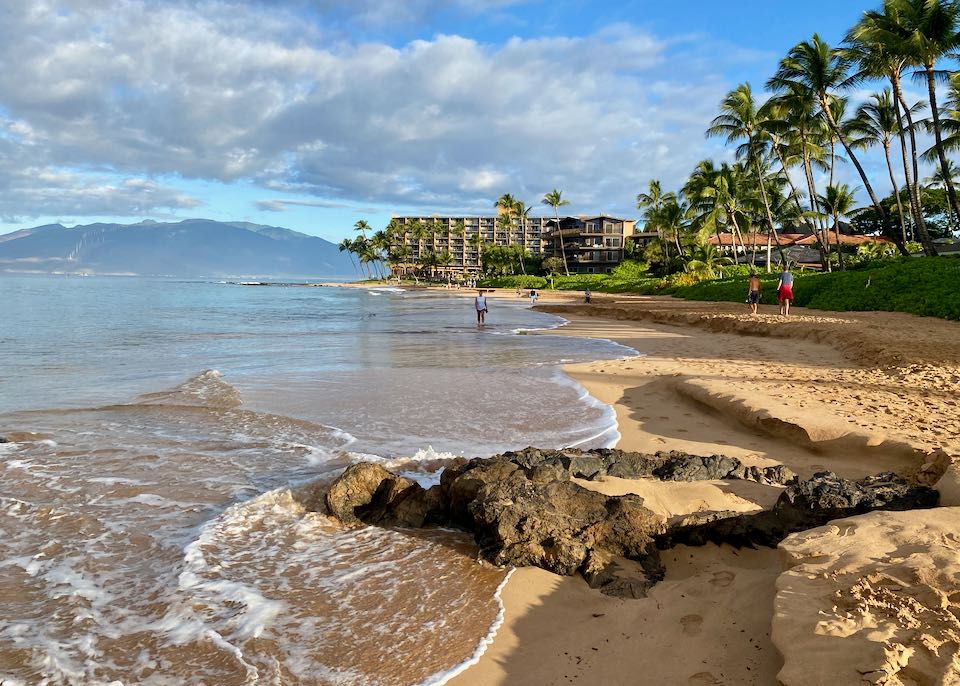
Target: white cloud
x: 229, y: 90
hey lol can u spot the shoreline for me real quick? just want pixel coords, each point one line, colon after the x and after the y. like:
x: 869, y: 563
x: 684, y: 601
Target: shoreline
x: 839, y: 394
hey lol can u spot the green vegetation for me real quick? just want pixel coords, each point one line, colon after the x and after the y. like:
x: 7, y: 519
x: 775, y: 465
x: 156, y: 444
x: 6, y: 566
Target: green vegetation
x: 924, y: 286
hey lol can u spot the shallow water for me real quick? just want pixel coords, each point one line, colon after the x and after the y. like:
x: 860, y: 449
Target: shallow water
x: 158, y: 519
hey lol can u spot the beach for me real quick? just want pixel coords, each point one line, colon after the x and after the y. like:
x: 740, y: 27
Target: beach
x: 853, y: 393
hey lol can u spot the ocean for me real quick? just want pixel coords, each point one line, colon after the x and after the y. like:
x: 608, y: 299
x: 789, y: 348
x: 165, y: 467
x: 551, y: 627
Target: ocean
x: 158, y: 490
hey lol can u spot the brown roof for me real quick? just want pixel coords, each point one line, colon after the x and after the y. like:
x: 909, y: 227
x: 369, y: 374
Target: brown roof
x: 788, y: 239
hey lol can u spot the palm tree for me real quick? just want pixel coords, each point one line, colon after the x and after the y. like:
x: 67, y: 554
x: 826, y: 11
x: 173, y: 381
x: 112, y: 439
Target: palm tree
x: 652, y: 204
x: 876, y: 123
x: 792, y: 117
x: 706, y: 260
x: 866, y: 45
x: 346, y: 245
x: 814, y: 67
x: 522, y: 212
x: 937, y: 180
x: 838, y: 202
x: 671, y: 219
x: 918, y: 33
x: 719, y: 199
x: 555, y: 200
x: 740, y: 118
x: 362, y: 227
x: 933, y: 34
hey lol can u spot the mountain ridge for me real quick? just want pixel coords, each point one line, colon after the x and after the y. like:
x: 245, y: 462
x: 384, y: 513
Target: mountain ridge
x: 191, y: 247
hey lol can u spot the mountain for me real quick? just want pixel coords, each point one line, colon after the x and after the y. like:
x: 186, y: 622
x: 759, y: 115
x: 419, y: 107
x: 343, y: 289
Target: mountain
x: 193, y: 247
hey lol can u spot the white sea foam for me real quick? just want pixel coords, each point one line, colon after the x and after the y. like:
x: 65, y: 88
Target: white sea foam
x: 485, y: 642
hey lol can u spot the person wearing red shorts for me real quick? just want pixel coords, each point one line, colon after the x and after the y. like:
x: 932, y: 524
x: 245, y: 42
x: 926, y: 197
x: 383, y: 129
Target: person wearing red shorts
x: 785, y: 291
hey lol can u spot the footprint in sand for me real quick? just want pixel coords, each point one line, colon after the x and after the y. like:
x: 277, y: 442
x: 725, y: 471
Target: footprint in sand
x: 691, y: 624
x: 722, y: 579
x: 703, y: 679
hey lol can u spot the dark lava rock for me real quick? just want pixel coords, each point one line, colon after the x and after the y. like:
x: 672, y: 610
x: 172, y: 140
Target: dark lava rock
x: 564, y: 528
x: 827, y: 496
x: 804, y: 505
x: 524, y: 509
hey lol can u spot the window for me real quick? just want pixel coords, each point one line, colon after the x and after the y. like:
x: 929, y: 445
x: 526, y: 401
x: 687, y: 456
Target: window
x: 591, y: 227
x: 611, y: 256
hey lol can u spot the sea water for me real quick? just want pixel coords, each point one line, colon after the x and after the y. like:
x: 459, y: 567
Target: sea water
x: 167, y: 439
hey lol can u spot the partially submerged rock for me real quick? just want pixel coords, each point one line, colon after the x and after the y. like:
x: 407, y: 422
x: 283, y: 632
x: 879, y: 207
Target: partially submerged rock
x: 871, y: 599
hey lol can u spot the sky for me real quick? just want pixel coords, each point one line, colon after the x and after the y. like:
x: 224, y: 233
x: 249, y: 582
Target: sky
x: 313, y: 114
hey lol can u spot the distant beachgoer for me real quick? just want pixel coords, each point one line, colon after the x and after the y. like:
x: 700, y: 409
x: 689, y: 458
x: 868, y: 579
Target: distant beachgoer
x: 533, y: 298
x: 586, y: 296
x: 519, y: 294
x: 753, y: 291
x: 785, y: 291
x: 480, y: 303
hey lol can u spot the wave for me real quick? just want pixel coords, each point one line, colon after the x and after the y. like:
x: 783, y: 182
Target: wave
x: 206, y: 389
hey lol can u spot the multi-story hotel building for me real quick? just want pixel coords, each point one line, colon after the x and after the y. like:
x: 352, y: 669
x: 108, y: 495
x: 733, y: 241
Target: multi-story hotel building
x: 592, y: 244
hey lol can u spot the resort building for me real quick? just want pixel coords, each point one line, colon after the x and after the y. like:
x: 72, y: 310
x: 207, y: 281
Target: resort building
x: 451, y: 246
x: 591, y: 245
x: 454, y: 243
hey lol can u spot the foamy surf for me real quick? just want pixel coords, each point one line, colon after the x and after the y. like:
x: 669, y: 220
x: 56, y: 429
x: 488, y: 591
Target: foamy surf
x: 177, y: 538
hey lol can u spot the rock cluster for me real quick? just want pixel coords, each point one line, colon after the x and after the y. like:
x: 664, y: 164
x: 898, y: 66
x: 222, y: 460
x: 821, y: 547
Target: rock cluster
x: 525, y: 509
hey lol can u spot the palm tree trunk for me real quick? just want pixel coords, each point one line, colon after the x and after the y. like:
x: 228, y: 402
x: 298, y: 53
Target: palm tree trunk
x: 944, y: 167
x: 766, y: 207
x: 563, y: 250
x: 836, y: 231
x: 814, y: 205
x: 896, y: 190
x: 916, y: 206
x: 881, y: 213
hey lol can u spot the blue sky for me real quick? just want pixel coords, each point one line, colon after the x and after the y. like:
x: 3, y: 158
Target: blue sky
x: 311, y: 114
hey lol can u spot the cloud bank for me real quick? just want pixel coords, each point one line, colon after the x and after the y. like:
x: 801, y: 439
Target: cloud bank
x: 106, y: 100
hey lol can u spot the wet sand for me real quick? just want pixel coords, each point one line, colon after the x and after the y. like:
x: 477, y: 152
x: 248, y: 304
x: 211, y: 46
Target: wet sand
x: 854, y: 393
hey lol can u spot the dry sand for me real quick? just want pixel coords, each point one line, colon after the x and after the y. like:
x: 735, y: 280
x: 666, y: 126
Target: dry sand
x: 855, y: 393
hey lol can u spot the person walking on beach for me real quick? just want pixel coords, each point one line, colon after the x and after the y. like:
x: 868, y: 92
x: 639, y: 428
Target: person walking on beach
x: 586, y: 296
x: 533, y: 298
x: 753, y: 291
x: 785, y: 291
x: 480, y: 303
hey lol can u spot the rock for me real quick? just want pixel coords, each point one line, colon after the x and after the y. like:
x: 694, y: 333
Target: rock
x: 564, y: 528
x: 827, y: 496
x: 949, y: 486
x: 696, y: 468
x: 804, y: 505
x: 871, y: 599
x: 463, y: 484
x: 369, y: 493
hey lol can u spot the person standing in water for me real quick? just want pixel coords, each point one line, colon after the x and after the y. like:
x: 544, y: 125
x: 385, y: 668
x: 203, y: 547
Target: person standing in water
x: 753, y: 291
x: 480, y: 303
x: 785, y: 291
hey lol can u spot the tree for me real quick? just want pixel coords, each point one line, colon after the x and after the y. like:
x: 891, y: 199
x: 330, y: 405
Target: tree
x: 812, y: 66
x: 652, y: 203
x: 362, y: 227
x: 346, y: 245
x: 740, y: 119
x: 876, y: 123
x: 555, y: 200
x: 872, y: 45
x: 838, y: 202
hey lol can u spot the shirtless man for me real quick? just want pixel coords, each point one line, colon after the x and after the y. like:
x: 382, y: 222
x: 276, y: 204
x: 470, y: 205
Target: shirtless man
x: 754, y: 288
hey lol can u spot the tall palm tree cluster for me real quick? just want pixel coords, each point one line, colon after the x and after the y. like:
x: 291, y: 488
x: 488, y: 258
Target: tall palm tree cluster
x: 808, y: 125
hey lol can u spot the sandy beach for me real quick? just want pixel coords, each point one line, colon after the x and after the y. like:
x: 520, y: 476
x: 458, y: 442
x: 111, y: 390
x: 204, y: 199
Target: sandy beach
x: 853, y: 393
